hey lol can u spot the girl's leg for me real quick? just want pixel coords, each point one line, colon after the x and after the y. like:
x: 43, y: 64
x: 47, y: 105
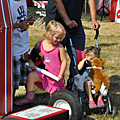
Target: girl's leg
x: 88, y: 87
x: 100, y: 102
x: 32, y: 78
x: 99, y: 96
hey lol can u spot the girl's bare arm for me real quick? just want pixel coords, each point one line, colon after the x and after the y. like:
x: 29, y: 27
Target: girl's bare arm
x: 63, y: 62
x: 81, y: 64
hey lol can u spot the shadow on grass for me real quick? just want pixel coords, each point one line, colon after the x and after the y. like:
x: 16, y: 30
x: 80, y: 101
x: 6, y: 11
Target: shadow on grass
x: 114, y: 91
x: 88, y: 28
x: 105, y: 44
x: 115, y: 78
x: 40, y: 99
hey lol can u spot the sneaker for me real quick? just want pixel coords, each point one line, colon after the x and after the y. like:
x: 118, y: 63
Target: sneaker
x: 92, y: 105
x: 100, y: 103
x: 27, y: 99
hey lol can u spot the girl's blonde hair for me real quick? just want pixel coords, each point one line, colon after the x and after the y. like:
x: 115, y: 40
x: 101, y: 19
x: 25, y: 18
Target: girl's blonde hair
x: 93, y: 50
x: 53, y: 27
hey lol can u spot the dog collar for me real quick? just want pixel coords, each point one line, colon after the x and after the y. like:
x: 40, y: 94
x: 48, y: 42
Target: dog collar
x: 38, y: 62
x: 95, y: 67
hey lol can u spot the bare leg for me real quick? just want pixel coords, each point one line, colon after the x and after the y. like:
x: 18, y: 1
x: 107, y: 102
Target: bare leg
x: 100, y: 102
x: 88, y: 87
x: 32, y: 78
x: 99, y: 96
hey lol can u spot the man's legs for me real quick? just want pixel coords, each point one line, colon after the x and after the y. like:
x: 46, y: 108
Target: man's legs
x: 78, y: 41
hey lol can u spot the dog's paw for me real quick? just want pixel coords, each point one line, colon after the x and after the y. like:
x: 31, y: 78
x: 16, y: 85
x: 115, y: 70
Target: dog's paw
x: 105, y: 92
x: 93, y: 92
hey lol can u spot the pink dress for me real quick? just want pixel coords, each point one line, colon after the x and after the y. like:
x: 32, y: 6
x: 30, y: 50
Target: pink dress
x: 52, y: 64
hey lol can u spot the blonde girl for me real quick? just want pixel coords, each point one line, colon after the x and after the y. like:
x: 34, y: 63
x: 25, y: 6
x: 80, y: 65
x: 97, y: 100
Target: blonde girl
x: 55, y: 62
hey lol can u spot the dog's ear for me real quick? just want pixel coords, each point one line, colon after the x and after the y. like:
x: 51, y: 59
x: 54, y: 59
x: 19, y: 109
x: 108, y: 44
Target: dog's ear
x: 103, y: 61
x: 33, y: 50
x: 27, y: 56
x: 94, y: 59
x: 41, y: 55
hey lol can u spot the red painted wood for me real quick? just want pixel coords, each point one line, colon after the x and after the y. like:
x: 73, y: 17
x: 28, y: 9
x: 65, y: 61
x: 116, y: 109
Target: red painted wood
x: 30, y: 3
x: 7, y: 11
x: 9, y: 72
x: 2, y: 61
x: 113, y: 10
x: 5, y: 59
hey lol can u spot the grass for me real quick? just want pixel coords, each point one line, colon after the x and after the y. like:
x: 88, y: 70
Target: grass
x: 108, y: 40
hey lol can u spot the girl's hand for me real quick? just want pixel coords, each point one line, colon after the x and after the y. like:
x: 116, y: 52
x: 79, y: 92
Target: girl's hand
x: 81, y: 63
x: 85, y: 59
x: 60, y: 77
x: 89, y: 60
x: 32, y: 65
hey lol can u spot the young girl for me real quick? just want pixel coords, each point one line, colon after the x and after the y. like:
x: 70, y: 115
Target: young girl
x: 90, y: 53
x: 55, y: 62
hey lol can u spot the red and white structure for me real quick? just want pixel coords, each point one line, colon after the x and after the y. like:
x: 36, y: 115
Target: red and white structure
x: 115, y: 11
x: 5, y: 59
x: 40, y: 112
x: 40, y: 4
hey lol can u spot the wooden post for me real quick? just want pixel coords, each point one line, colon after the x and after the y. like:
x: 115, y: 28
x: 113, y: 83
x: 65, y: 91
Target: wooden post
x: 6, y: 101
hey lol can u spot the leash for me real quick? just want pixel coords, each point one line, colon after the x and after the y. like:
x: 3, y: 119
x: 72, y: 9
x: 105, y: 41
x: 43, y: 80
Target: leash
x: 96, y: 36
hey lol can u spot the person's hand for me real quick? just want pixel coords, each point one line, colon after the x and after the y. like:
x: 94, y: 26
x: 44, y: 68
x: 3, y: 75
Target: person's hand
x: 60, y: 77
x: 32, y: 65
x: 24, y: 25
x: 96, y: 25
x: 30, y: 20
x: 85, y: 59
x: 71, y: 24
x: 89, y: 59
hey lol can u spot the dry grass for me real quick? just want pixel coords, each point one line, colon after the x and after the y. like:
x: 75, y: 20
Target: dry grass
x: 108, y: 40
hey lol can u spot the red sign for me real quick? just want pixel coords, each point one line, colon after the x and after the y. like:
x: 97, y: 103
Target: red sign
x: 118, y: 14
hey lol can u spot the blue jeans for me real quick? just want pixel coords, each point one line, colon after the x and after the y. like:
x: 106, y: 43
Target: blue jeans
x: 78, y: 41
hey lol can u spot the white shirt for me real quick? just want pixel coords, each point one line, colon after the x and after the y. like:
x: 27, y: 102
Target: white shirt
x: 20, y: 40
